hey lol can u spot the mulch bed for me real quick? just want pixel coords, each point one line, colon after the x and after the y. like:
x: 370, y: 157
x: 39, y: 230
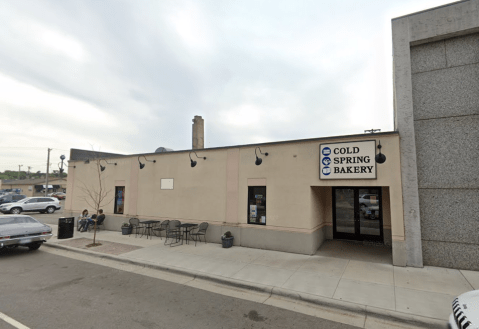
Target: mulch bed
x: 106, y: 247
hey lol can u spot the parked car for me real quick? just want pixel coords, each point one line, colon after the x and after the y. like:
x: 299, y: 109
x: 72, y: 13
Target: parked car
x: 368, y: 199
x: 59, y: 195
x: 40, y: 204
x: 22, y: 230
x: 9, y: 198
x: 465, y: 311
x: 371, y: 212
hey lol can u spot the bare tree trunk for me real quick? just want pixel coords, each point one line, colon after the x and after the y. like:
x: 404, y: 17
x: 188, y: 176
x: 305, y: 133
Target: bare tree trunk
x: 94, y: 234
x: 100, y: 197
x: 96, y: 196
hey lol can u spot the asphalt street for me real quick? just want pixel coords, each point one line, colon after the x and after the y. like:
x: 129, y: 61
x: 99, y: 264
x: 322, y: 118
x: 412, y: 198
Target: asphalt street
x: 44, y: 290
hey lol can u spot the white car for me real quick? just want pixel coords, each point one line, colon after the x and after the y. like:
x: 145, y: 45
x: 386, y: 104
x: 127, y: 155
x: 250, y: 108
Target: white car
x: 38, y: 204
x: 366, y: 200
x: 465, y: 311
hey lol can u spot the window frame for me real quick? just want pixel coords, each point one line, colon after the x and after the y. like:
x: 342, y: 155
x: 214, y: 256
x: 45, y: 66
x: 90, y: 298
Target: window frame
x: 251, y: 193
x: 115, y: 209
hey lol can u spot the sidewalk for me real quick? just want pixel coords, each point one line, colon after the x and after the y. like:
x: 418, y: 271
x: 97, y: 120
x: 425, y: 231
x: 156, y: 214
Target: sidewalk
x: 408, y: 295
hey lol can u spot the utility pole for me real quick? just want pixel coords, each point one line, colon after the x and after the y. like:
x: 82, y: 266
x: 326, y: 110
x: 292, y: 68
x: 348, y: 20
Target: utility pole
x: 19, y: 166
x: 28, y: 174
x: 48, y: 168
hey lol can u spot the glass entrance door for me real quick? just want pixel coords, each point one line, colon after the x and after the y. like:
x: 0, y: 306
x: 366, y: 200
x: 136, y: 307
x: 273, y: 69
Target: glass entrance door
x: 357, y: 213
x: 345, y: 221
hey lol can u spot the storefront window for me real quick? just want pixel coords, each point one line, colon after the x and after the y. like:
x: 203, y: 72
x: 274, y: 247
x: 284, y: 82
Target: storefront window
x: 119, y: 199
x: 257, y: 205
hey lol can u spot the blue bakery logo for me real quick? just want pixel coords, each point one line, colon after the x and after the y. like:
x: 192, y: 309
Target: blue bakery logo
x: 326, y: 161
x: 326, y: 151
x: 326, y: 171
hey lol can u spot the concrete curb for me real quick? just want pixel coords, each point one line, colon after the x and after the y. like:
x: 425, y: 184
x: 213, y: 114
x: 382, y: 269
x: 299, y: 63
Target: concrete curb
x: 324, y: 302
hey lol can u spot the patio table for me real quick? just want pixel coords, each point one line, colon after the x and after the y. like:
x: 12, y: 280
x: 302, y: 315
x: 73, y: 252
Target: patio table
x: 186, y: 228
x: 148, y: 227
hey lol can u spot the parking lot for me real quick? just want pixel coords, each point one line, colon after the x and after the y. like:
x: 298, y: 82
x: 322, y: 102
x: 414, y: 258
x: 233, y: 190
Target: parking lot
x: 46, y: 218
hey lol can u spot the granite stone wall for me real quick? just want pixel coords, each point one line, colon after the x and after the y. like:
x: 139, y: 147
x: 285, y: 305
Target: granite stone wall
x: 445, y: 91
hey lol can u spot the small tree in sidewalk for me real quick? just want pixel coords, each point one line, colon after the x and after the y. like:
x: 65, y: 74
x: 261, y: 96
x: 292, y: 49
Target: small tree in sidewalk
x: 96, y: 195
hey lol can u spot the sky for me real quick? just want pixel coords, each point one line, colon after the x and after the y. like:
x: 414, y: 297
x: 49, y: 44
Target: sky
x: 128, y: 76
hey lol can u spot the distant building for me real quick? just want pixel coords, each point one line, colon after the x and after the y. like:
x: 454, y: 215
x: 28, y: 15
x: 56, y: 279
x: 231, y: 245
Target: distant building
x: 35, y: 187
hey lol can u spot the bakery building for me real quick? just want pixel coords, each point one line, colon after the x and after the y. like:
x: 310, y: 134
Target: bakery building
x: 287, y: 196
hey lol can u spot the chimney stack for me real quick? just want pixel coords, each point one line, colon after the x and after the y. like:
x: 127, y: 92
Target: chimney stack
x: 198, y: 133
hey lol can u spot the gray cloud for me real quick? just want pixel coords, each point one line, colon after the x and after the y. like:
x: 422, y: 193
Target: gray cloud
x: 129, y: 76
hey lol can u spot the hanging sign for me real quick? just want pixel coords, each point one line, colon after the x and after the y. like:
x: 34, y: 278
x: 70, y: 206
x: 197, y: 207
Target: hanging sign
x: 351, y: 160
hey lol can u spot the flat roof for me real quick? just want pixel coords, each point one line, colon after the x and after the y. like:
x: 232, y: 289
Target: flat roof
x: 430, y: 9
x: 316, y: 139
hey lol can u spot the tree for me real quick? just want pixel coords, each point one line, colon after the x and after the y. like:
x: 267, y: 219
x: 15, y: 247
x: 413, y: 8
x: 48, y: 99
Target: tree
x: 96, y: 195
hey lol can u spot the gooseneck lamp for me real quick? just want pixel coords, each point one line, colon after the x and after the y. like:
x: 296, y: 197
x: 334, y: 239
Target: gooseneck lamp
x: 380, y: 158
x: 259, y: 160
x: 142, y: 165
x: 193, y: 163
x: 104, y: 167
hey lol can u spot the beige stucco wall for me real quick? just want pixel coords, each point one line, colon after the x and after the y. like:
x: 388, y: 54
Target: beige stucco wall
x: 216, y: 190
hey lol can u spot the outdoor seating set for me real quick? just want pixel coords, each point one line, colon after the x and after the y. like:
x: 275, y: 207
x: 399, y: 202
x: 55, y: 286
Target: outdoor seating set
x: 174, y: 230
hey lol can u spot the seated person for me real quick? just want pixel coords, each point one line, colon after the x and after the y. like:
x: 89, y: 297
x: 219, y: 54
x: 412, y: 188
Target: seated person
x: 82, y: 220
x: 94, y: 218
x: 101, y: 217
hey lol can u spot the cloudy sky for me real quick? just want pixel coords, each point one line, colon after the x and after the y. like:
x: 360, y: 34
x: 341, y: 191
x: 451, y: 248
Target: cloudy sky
x: 129, y: 76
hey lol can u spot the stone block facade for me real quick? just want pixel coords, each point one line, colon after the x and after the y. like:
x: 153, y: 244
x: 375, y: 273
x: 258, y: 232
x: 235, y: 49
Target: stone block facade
x: 436, y: 105
x: 445, y: 92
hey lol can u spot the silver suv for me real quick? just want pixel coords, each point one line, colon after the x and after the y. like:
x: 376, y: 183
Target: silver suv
x: 366, y: 200
x: 40, y: 204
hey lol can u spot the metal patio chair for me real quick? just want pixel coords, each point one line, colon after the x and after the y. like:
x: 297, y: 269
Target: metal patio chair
x: 173, y: 231
x: 200, y: 231
x: 135, y: 225
x: 160, y: 226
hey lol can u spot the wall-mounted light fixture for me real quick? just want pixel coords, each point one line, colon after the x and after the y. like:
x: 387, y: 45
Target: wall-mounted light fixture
x: 193, y: 163
x: 259, y: 160
x: 87, y: 161
x: 380, y: 158
x: 142, y: 165
x: 104, y: 167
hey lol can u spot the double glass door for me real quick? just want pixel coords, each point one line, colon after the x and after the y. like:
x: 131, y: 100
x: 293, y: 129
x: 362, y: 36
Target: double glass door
x: 357, y: 213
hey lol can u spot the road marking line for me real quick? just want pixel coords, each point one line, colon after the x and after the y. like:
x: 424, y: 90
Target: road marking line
x: 13, y: 322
